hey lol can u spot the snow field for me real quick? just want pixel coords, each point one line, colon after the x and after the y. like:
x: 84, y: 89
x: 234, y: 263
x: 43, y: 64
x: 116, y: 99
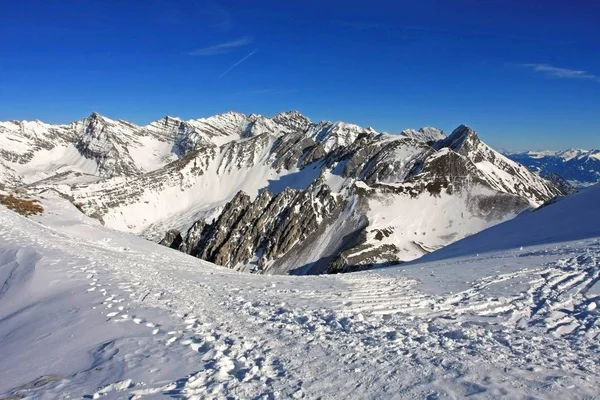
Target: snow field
x: 152, y: 322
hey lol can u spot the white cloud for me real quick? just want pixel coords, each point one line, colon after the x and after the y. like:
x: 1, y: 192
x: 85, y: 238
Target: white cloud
x: 222, y: 48
x: 564, y: 73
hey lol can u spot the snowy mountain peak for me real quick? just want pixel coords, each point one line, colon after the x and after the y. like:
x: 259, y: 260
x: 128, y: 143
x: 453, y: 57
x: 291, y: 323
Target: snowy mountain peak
x: 463, y: 132
x: 99, y: 118
x: 540, y: 154
x: 432, y: 132
x: 292, y: 114
x: 463, y: 140
x: 572, y: 153
x: 292, y: 120
x: 425, y: 134
x: 168, y: 118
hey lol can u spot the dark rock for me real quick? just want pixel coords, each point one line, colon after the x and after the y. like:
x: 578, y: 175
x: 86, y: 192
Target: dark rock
x: 565, y: 187
x: 172, y: 239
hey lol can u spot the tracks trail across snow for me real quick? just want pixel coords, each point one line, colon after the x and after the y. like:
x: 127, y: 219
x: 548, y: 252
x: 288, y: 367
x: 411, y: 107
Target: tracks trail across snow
x: 362, y: 335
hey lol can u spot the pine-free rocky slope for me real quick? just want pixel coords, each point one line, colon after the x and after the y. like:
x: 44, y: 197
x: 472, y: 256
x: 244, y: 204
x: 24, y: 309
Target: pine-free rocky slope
x: 275, y: 195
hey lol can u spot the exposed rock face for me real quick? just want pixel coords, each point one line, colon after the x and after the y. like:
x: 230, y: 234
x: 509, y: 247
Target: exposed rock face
x: 426, y: 134
x: 562, y: 184
x: 172, y: 239
x: 395, y: 161
x: 266, y: 232
x: 190, y: 241
x: 105, y: 146
x: 261, y: 230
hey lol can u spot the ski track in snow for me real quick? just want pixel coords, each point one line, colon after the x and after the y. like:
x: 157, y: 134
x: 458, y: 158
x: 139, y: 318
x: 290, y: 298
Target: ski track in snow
x: 373, y: 334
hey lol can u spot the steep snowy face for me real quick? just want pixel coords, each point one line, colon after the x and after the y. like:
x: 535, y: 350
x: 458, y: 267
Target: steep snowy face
x: 179, y: 138
x: 500, y: 172
x: 334, y: 135
x: 106, y: 142
x: 27, y: 147
x: 395, y: 161
x: 580, y: 167
x: 222, y: 128
x: 442, y: 200
x: 20, y: 140
x: 570, y: 218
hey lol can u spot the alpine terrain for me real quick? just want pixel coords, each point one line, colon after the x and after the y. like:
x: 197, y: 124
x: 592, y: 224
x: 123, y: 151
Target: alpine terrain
x: 579, y: 167
x: 372, y: 247
x: 87, y: 311
x: 278, y: 195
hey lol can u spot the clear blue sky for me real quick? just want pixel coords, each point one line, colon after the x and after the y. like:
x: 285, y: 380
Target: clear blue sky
x: 523, y: 73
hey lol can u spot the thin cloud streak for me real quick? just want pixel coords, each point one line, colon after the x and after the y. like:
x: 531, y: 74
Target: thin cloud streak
x: 247, y: 56
x: 222, y: 48
x: 563, y: 73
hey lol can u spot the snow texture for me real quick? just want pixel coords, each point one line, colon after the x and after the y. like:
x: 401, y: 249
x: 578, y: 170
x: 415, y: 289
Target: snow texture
x: 90, y: 312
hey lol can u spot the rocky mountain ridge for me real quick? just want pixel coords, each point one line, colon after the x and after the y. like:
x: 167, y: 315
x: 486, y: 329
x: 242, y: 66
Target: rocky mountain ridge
x: 276, y: 195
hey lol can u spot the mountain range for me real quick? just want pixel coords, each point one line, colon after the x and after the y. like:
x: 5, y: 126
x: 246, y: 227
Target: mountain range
x: 279, y: 194
x: 580, y: 167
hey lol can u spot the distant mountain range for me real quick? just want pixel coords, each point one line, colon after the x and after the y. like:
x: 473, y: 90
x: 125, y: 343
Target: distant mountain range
x: 579, y: 167
x: 279, y: 194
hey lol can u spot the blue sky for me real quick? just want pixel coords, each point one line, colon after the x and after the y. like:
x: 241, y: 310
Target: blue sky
x: 524, y: 74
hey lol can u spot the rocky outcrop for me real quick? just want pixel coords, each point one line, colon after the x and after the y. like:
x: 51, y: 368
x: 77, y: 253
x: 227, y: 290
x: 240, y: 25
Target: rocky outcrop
x: 100, y: 141
x: 426, y: 134
x: 262, y: 230
x: 562, y: 184
x: 172, y: 239
x: 500, y: 172
x: 189, y: 243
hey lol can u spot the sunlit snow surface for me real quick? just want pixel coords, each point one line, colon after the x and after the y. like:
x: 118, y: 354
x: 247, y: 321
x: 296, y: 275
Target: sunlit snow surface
x: 88, y: 312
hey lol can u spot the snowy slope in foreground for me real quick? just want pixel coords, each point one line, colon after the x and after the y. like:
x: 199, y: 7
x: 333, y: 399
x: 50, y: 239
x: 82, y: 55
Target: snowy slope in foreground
x: 571, y: 218
x: 90, y: 312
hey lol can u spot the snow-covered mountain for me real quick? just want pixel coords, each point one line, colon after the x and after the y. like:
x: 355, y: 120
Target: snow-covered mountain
x: 580, y: 167
x: 380, y: 199
x: 425, y: 134
x: 277, y: 195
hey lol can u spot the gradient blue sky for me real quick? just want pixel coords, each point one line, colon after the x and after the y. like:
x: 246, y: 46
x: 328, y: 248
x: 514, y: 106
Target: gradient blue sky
x: 524, y: 74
